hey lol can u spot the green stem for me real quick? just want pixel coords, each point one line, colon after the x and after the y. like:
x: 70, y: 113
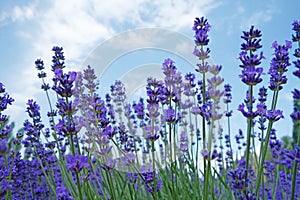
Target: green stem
x: 254, y: 149
x: 46, y: 176
x: 208, y: 169
x: 263, y: 156
x: 72, y: 144
x: 153, y: 160
x: 276, y: 181
x: 70, y: 120
x: 112, y: 191
x: 153, y: 163
x: 249, y: 130
x: 229, y: 136
x: 79, y: 186
x: 52, y: 117
x: 295, y: 170
x: 171, y: 158
x: 266, y: 142
x: 203, y: 133
x: 133, y: 166
x: 9, y: 195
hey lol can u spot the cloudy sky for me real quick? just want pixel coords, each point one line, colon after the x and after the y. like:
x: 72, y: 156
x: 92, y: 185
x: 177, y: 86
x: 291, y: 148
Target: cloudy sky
x: 29, y: 29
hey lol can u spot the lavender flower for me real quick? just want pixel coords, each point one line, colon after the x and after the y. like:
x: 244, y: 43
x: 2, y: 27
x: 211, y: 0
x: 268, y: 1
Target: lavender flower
x: 152, y: 132
x: 63, y: 194
x: 148, y: 180
x: 251, y: 73
x: 139, y: 108
x: 296, y: 28
x: 39, y: 64
x: 58, y: 58
x: 250, y: 113
x: 63, y: 83
x: 238, y: 181
x: 274, y: 115
x: 67, y: 127
x: 227, y: 93
x: 3, y: 146
x: 262, y: 95
x: 183, y: 142
x: 5, y: 99
x: 172, y: 80
x: 296, y: 39
x: 76, y: 163
x: 279, y: 65
x: 90, y: 77
x: 201, y: 27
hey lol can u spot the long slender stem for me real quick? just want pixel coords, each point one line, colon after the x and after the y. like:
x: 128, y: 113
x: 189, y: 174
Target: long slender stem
x: 204, y: 137
x: 79, y: 186
x: 153, y: 161
x: 263, y: 156
x: 208, y: 167
x: 10, y: 174
x: 153, y: 173
x: 266, y: 143
x: 229, y: 137
x: 112, y: 191
x: 51, y: 124
x: 295, y: 170
x: 249, y: 129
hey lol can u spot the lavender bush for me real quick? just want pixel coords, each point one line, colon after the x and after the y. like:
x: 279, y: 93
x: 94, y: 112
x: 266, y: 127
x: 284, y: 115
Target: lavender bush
x: 169, y: 145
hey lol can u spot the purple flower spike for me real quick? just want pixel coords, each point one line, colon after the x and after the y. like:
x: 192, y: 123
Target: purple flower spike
x: 279, y: 65
x: 39, y: 64
x: 297, y: 153
x: 63, y: 193
x: 63, y: 83
x: 296, y: 38
x: 5, y: 99
x: 248, y: 114
x: 201, y: 28
x: 296, y: 28
x: 3, y: 146
x: 170, y: 115
x: 262, y: 95
x: 58, y: 58
x: 77, y: 163
x: 296, y: 116
x: 274, y: 115
x: 251, y: 74
x: 227, y: 94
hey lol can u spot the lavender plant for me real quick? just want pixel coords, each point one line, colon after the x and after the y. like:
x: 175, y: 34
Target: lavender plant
x: 102, y: 146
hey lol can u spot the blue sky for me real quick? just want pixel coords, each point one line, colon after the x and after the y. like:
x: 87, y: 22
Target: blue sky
x: 29, y: 29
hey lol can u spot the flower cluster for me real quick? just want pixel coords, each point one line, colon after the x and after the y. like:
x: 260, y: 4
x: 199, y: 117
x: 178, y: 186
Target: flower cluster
x: 279, y: 65
x: 251, y: 73
x: 102, y: 146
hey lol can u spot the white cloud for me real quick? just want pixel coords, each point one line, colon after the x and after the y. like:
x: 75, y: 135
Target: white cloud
x: 259, y: 17
x: 137, y: 77
x: 179, y: 14
x: 22, y: 13
x: 79, y: 26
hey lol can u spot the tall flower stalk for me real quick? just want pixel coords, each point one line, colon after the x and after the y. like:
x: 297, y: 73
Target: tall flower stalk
x: 210, y: 99
x: 296, y: 96
x: 251, y: 76
x: 201, y: 28
x: 278, y: 68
